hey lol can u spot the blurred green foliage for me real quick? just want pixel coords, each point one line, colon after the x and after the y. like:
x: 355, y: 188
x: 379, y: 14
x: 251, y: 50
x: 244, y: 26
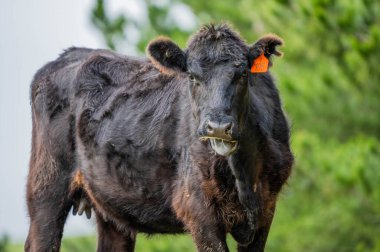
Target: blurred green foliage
x: 4, y: 243
x: 330, y: 84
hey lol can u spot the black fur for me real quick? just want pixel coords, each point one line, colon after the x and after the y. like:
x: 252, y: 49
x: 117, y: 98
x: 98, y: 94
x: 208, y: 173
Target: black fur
x: 166, y: 55
x: 124, y: 132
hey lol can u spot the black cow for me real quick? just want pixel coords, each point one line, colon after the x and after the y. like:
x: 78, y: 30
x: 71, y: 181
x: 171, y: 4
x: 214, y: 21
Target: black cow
x: 182, y: 141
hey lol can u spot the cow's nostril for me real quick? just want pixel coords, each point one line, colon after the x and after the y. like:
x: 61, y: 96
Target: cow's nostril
x: 219, y: 130
x: 210, y: 129
x: 228, y: 129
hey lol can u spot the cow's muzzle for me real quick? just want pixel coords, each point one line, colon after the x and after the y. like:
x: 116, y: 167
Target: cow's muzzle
x: 220, y: 135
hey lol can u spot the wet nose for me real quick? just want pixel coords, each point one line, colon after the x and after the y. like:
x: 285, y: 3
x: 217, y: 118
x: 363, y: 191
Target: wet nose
x: 220, y: 130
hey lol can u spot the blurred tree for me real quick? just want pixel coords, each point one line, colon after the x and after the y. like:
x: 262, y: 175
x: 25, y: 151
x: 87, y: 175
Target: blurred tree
x: 111, y: 28
x: 4, y: 243
x: 114, y: 29
x: 329, y: 80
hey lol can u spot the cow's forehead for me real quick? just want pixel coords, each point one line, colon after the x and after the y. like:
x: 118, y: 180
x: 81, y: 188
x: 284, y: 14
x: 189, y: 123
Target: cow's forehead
x: 214, y: 44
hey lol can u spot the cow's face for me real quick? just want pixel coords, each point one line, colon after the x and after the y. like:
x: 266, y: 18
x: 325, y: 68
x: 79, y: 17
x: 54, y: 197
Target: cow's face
x: 218, y: 93
x: 217, y: 64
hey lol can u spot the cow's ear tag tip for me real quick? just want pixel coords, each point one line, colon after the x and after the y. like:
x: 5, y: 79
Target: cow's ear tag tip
x: 260, y: 64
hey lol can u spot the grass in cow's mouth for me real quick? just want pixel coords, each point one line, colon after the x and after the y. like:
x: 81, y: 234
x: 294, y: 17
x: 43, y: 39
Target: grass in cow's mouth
x: 221, y: 146
x: 219, y: 139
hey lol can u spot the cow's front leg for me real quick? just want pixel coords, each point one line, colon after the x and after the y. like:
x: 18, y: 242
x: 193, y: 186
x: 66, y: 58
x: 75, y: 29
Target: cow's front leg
x: 261, y: 234
x: 244, y: 233
x: 245, y: 174
x: 112, y: 239
x: 199, y: 218
x: 244, y: 170
x: 258, y: 244
x: 208, y: 237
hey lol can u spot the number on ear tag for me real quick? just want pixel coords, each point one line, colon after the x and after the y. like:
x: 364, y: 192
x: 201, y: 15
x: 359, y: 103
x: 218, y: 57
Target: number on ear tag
x: 260, y: 64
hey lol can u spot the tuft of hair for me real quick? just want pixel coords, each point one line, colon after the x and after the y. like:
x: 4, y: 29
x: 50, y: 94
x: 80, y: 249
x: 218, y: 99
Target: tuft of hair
x: 166, y: 55
x: 77, y: 181
x: 214, y: 32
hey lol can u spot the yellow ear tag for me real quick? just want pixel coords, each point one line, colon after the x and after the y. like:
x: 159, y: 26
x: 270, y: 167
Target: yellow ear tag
x: 260, y: 64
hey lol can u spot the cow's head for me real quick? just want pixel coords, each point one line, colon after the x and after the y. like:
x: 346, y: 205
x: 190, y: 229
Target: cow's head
x: 217, y: 63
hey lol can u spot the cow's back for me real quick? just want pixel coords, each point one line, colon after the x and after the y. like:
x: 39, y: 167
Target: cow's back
x: 54, y: 91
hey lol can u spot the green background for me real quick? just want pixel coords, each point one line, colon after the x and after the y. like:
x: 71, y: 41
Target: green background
x: 329, y: 81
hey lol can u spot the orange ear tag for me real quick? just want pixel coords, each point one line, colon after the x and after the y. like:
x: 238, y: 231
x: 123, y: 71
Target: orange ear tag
x: 260, y: 64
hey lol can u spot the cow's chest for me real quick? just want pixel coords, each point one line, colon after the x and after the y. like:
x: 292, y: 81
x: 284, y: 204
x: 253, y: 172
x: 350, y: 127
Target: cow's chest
x: 208, y: 194
x: 222, y: 198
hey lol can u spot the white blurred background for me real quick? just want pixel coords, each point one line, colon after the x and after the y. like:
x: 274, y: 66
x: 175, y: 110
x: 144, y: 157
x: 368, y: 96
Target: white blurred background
x: 32, y: 33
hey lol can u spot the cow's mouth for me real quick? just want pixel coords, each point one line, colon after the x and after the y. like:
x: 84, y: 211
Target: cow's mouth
x: 221, y: 146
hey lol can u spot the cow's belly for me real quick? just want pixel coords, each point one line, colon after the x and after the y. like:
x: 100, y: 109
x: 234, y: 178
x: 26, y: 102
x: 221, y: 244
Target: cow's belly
x: 134, y: 193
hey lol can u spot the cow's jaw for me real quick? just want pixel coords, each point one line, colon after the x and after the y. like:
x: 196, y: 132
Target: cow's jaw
x: 222, y: 147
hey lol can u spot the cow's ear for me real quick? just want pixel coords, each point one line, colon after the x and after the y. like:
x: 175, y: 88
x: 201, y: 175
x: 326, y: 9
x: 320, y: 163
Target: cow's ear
x: 266, y: 46
x: 166, y: 55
